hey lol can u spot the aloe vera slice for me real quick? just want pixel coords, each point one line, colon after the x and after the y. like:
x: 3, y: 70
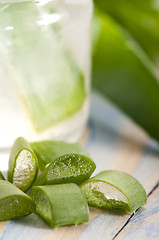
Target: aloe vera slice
x: 13, y: 202
x: 114, y: 189
x: 42, y: 68
x: 70, y: 168
x: 23, y: 166
x: 60, y: 205
x: 48, y: 151
x: 1, y: 176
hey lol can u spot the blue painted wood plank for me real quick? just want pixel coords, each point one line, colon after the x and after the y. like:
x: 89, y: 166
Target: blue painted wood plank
x: 28, y: 228
x: 145, y: 223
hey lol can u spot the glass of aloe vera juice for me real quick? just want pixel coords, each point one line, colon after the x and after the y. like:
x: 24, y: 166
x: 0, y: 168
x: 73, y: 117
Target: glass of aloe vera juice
x: 44, y: 69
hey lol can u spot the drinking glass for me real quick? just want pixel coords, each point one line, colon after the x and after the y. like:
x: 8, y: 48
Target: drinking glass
x: 44, y: 69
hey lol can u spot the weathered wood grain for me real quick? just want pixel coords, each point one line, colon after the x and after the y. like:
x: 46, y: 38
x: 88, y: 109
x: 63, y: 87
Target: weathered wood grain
x: 145, y: 223
x: 3, y: 226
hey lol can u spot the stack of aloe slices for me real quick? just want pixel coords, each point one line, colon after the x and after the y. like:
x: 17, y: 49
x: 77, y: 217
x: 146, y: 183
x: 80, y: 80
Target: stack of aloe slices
x: 64, y: 189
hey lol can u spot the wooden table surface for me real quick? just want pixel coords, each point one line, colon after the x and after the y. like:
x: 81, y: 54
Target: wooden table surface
x: 114, y: 143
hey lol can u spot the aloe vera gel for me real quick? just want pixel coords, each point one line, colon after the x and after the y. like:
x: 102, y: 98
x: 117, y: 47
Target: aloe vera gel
x: 44, y: 69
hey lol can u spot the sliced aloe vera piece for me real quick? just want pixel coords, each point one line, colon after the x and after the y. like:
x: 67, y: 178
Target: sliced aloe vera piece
x: 114, y: 189
x: 42, y: 68
x: 48, y: 151
x: 13, y: 202
x: 60, y: 205
x: 1, y: 176
x: 70, y: 168
x: 23, y: 165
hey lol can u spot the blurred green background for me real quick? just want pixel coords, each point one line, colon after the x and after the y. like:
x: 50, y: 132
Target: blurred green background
x: 125, y: 58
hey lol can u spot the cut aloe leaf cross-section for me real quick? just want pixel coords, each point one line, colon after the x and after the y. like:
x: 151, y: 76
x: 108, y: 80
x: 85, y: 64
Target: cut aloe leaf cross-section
x: 68, y: 168
x: 23, y: 166
x: 48, y: 151
x: 13, y: 202
x: 114, y: 189
x: 60, y: 205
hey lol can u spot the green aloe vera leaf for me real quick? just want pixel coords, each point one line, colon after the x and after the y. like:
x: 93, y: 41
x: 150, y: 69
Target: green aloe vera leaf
x: 13, y: 202
x: 124, y: 74
x: 114, y: 189
x: 44, y: 72
x: 49, y: 150
x: 60, y: 205
x: 23, y: 164
x: 70, y: 168
x: 140, y: 18
x: 1, y: 176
